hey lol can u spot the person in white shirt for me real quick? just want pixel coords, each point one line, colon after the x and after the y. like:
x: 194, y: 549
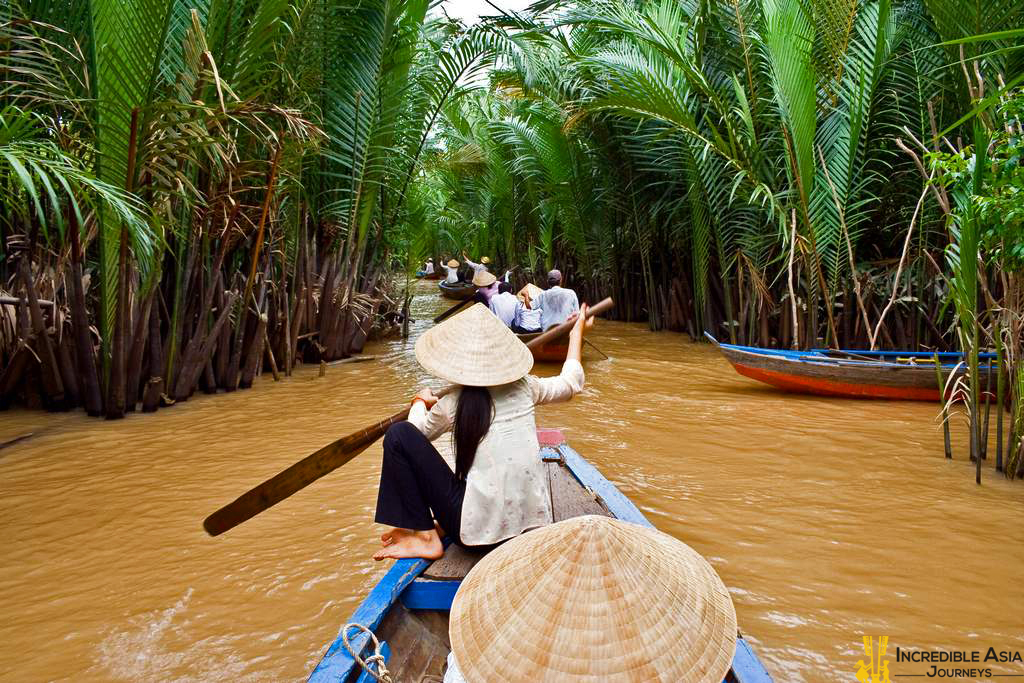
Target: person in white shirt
x: 499, y: 488
x: 555, y: 303
x: 477, y: 267
x: 527, y: 319
x: 452, y: 268
x: 428, y: 269
x: 504, y: 304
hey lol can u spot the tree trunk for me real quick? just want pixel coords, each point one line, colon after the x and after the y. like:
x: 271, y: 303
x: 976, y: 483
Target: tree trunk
x: 91, y: 393
x: 52, y: 384
x: 155, y: 386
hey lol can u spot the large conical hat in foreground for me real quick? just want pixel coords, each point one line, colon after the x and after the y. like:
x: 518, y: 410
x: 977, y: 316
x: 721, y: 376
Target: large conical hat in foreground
x: 473, y: 348
x: 593, y: 600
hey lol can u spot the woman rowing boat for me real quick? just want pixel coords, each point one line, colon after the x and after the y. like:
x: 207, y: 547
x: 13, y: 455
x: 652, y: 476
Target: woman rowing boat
x: 499, y: 488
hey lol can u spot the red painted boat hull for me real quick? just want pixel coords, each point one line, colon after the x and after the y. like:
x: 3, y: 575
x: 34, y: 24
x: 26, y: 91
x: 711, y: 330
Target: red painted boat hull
x: 840, y: 377
x: 832, y: 387
x: 552, y: 352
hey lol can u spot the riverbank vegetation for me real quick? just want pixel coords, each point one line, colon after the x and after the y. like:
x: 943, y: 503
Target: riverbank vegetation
x: 195, y: 190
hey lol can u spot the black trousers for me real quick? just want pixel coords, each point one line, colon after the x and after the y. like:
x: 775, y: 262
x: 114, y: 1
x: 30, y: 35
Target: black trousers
x: 522, y: 330
x: 416, y: 484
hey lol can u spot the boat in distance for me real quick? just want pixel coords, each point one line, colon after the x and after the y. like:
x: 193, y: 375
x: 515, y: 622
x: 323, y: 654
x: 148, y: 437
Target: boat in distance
x: 409, y: 607
x: 850, y: 373
x: 459, y: 291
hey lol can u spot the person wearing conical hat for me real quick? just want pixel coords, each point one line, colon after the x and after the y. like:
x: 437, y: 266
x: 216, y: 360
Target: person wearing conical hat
x: 428, y: 268
x: 486, y: 286
x: 477, y: 267
x: 452, y: 269
x: 499, y: 488
x: 593, y: 600
x: 527, y: 320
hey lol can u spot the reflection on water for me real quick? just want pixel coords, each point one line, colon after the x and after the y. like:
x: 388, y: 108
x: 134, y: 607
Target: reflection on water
x: 828, y: 519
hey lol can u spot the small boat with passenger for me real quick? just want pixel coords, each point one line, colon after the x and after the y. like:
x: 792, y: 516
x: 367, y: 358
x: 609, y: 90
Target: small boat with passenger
x: 851, y: 373
x: 459, y: 291
x: 409, y: 609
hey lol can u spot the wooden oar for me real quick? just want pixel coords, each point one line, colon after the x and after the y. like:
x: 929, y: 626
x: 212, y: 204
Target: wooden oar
x: 452, y: 310
x: 334, y: 455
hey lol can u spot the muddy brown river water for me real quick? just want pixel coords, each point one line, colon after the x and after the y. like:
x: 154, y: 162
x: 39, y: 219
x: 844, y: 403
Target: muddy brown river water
x: 828, y: 519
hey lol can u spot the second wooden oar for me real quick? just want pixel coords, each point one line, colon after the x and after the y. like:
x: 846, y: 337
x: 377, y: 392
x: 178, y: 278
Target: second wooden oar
x: 334, y: 455
x: 452, y: 310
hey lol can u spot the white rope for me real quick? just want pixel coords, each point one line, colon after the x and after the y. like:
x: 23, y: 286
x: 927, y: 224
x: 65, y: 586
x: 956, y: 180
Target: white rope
x: 382, y: 675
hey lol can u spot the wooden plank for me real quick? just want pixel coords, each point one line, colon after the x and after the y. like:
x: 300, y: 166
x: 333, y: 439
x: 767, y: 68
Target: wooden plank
x: 428, y: 594
x: 420, y: 642
x: 366, y: 676
x: 337, y: 663
x: 454, y: 564
x: 568, y: 498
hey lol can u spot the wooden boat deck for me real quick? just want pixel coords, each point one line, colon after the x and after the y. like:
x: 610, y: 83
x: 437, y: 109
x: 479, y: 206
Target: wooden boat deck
x: 408, y: 609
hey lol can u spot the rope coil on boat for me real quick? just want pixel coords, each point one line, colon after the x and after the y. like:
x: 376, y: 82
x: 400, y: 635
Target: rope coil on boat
x: 382, y: 675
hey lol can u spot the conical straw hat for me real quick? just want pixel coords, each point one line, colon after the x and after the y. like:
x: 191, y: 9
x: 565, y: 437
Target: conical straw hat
x: 473, y: 348
x: 483, y: 279
x: 453, y: 264
x: 593, y: 600
x: 484, y: 260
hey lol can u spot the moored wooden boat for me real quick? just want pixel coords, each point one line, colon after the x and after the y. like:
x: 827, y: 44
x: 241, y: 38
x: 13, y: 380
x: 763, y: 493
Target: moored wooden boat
x: 901, y: 375
x: 552, y: 352
x: 408, y: 608
x: 458, y: 291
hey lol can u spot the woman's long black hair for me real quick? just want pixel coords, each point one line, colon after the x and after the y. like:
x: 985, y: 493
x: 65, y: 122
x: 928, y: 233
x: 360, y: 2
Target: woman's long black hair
x: 473, y: 417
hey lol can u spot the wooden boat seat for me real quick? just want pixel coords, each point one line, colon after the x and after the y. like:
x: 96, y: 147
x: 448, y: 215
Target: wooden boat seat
x: 568, y: 499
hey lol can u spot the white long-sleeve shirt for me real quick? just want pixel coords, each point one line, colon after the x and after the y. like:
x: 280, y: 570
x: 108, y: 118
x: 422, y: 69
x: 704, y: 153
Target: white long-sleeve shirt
x: 555, y: 305
x: 453, y: 274
x: 507, y: 489
x: 527, y: 318
x: 504, y: 306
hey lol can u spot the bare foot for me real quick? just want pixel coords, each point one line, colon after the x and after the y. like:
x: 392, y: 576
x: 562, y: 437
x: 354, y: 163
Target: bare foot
x: 425, y: 544
x: 392, y: 535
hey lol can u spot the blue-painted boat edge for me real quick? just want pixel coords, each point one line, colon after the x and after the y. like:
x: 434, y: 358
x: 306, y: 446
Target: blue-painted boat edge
x: 337, y: 663
x: 824, y: 353
x: 588, y: 475
x: 746, y: 667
